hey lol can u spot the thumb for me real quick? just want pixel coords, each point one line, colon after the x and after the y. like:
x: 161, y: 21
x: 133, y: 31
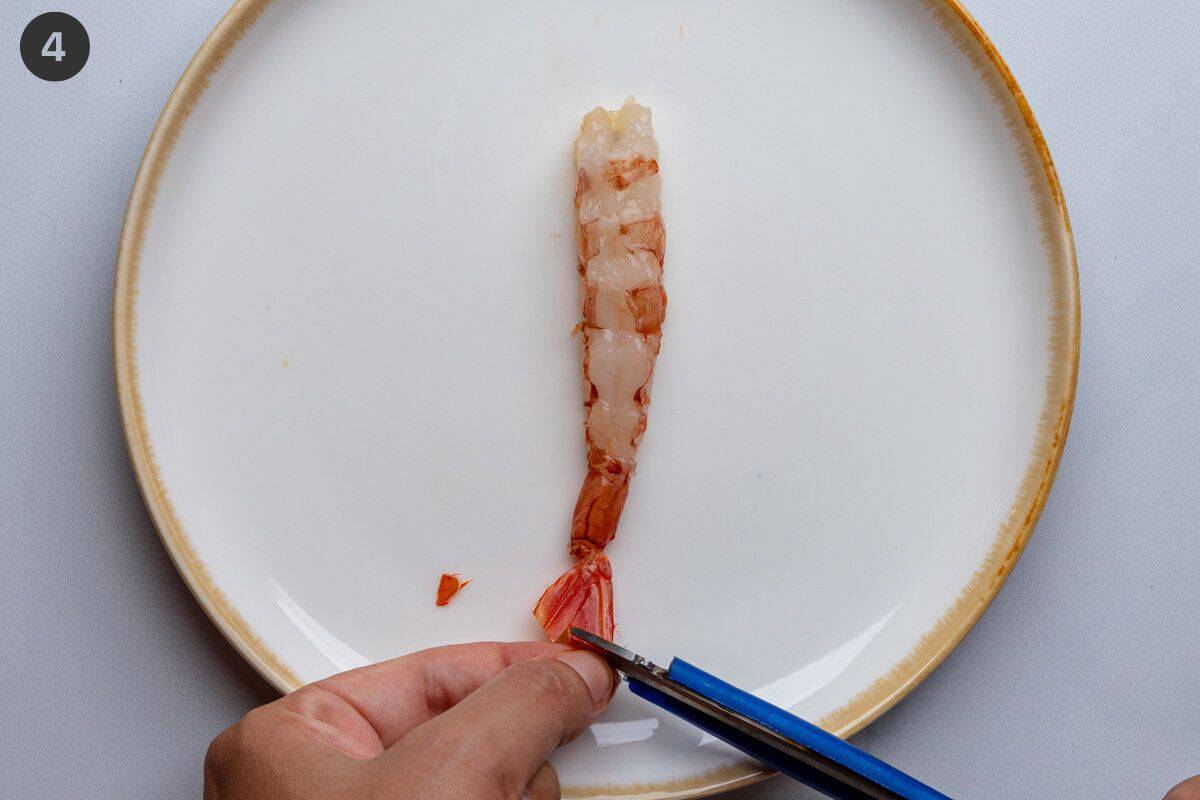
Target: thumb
x: 501, y: 734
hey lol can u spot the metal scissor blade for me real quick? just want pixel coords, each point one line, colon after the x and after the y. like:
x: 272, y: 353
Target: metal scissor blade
x: 615, y: 653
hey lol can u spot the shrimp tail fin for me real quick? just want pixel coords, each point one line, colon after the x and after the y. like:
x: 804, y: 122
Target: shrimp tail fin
x: 580, y: 598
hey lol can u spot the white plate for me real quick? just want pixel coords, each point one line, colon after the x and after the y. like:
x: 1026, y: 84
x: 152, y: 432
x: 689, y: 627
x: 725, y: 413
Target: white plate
x: 342, y: 331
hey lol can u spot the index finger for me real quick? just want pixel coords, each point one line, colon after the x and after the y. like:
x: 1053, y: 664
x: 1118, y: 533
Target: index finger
x: 502, y: 734
x: 398, y: 695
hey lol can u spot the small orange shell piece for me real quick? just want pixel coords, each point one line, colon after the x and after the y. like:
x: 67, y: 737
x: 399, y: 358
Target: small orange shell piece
x: 448, y: 586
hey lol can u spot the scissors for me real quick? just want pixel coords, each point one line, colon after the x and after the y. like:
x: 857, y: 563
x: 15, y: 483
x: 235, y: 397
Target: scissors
x: 767, y: 733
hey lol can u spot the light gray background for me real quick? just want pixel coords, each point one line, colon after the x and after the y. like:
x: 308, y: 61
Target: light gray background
x: 1081, y: 681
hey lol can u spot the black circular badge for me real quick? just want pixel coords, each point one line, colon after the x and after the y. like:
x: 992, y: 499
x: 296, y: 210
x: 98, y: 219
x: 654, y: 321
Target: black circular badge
x: 55, y: 46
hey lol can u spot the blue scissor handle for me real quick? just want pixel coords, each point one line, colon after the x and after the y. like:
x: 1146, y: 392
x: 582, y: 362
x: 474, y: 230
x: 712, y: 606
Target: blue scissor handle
x: 770, y: 756
x: 787, y: 724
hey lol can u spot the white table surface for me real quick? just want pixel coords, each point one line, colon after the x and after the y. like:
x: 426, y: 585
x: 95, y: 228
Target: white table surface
x: 1081, y: 681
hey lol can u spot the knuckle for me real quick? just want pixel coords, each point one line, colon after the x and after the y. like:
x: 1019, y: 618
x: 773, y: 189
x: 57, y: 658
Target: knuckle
x: 549, y: 680
x: 220, y: 760
x: 222, y: 749
x: 1188, y: 790
x: 249, y: 729
x: 544, y: 785
x: 232, y: 745
x: 313, y: 700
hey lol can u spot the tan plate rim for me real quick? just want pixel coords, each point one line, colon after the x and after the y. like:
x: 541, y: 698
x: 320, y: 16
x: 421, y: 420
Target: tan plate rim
x: 876, y: 699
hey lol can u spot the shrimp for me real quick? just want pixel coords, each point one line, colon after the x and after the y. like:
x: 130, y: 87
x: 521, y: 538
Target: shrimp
x: 449, y: 585
x: 622, y: 243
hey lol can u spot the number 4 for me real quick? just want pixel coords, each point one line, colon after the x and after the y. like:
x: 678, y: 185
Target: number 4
x: 54, y: 41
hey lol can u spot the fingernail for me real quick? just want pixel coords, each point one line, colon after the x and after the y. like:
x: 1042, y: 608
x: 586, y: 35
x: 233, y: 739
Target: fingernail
x: 595, y: 673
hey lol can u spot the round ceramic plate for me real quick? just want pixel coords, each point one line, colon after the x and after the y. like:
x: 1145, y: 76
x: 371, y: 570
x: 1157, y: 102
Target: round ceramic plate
x: 343, y: 318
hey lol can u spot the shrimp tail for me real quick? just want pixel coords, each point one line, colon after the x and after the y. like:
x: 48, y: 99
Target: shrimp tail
x: 580, y: 598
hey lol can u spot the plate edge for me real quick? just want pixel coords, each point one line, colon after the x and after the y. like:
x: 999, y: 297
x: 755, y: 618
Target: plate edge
x: 191, y: 85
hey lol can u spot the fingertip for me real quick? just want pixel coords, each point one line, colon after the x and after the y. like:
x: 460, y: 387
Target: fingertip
x: 600, y: 679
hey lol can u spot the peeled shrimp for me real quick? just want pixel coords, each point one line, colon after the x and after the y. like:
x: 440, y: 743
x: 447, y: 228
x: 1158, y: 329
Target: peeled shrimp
x: 622, y: 242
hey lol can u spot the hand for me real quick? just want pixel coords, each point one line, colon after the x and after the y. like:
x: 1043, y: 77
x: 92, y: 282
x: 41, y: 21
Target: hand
x: 1188, y: 790
x: 468, y: 722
